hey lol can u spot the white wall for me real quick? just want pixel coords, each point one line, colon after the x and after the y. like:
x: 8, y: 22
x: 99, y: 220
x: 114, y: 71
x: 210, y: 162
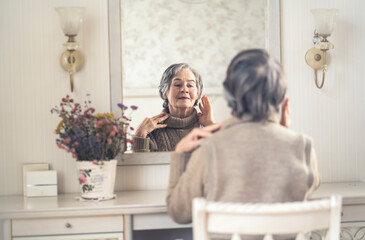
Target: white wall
x: 32, y: 82
x: 334, y: 116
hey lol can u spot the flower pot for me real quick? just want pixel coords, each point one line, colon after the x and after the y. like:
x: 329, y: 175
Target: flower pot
x: 97, y: 180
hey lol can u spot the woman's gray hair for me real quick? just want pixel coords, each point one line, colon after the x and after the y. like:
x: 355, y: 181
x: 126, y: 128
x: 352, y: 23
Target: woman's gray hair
x: 170, y: 73
x: 255, y: 84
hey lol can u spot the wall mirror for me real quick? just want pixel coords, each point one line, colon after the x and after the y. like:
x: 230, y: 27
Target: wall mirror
x: 146, y: 36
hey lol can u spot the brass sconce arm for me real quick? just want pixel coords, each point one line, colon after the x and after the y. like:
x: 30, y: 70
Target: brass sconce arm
x: 71, y: 60
x: 316, y: 57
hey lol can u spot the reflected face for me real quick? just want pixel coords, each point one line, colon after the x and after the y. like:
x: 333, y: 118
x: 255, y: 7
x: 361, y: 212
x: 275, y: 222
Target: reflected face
x: 183, y: 91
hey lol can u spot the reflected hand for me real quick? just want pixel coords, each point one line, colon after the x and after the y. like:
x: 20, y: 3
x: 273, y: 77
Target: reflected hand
x: 150, y: 124
x: 285, y: 114
x: 192, y: 140
x: 206, y: 112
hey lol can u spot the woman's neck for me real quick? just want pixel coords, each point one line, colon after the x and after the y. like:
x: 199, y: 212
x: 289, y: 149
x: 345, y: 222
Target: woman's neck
x: 181, y: 112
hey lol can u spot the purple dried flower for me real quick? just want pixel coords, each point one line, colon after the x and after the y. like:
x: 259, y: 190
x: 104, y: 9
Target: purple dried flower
x: 122, y: 106
x: 134, y: 107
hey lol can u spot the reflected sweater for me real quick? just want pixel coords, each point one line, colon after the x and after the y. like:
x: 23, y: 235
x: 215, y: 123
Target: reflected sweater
x: 165, y: 139
x: 243, y: 162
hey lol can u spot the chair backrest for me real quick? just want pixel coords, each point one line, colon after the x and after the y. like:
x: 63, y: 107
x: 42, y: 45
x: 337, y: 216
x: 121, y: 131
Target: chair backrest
x: 266, y: 219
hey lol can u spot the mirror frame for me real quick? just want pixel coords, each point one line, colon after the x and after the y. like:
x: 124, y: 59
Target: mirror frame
x: 115, y: 69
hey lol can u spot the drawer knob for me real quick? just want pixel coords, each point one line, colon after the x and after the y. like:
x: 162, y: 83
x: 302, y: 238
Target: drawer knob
x: 68, y: 225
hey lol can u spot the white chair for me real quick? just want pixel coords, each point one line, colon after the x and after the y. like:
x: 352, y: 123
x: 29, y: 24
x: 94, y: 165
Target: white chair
x: 296, y: 218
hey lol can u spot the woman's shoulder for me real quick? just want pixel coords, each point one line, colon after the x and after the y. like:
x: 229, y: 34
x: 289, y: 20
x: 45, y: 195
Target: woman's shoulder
x: 290, y: 133
x: 234, y: 130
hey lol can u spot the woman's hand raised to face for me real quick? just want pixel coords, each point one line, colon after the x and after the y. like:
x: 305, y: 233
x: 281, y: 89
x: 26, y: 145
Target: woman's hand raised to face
x: 285, y: 114
x: 150, y: 124
x: 206, y: 114
x: 192, y: 140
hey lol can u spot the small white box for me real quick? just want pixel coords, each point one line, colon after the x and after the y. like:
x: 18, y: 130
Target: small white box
x: 41, y: 183
x: 32, y: 167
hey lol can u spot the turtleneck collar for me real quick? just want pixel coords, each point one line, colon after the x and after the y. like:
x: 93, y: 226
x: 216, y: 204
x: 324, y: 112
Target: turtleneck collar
x: 175, y: 122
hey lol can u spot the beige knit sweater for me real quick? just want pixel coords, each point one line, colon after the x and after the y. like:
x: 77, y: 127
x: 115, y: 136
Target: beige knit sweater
x: 165, y: 139
x: 243, y: 162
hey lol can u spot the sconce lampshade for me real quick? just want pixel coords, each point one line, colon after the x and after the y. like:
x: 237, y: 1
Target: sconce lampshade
x: 324, y: 21
x: 70, y: 18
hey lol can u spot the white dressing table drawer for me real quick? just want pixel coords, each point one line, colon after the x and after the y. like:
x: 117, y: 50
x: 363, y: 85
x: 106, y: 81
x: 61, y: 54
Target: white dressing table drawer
x: 58, y: 226
x: 353, y: 213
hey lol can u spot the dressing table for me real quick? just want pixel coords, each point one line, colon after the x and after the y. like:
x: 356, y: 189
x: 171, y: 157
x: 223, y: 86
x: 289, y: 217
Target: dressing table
x: 68, y: 218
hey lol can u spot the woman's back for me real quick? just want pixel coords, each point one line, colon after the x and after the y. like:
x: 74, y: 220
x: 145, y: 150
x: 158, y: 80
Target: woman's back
x: 257, y: 162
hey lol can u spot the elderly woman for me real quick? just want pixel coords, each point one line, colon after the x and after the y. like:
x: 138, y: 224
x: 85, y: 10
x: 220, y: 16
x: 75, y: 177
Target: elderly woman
x: 250, y: 157
x: 180, y: 88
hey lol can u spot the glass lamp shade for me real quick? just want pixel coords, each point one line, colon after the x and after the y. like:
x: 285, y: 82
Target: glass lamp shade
x: 70, y: 18
x: 324, y: 20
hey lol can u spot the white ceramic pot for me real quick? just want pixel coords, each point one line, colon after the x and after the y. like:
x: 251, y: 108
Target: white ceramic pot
x: 97, y: 180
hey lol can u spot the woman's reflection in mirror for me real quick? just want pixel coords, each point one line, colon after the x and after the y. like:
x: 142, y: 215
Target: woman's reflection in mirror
x: 180, y: 89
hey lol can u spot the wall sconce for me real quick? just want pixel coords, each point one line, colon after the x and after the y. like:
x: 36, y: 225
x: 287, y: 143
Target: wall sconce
x: 71, y: 60
x: 324, y: 21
